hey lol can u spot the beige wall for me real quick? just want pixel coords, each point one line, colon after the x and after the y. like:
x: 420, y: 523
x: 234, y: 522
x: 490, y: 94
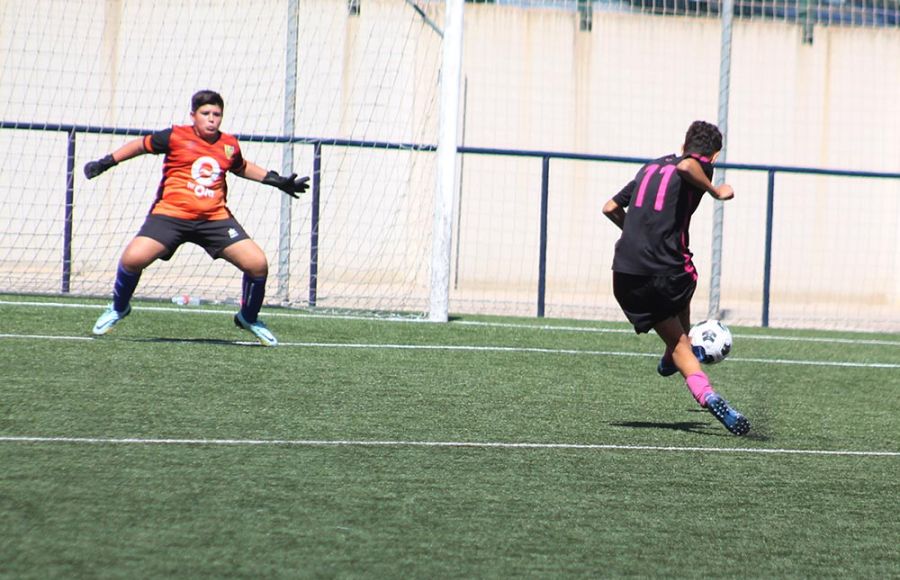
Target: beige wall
x: 630, y: 87
x: 533, y: 81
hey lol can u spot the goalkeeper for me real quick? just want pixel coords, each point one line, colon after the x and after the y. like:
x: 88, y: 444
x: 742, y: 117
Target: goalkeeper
x: 190, y: 206
x: 653, y: 274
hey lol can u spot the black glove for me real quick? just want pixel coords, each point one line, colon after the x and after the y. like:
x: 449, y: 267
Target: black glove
x: 291, y: 185
x: 94, y: 168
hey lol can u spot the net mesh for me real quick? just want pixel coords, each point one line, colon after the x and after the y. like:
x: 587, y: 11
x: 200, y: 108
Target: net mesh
x: 813, y: 84
x: 364, y: 78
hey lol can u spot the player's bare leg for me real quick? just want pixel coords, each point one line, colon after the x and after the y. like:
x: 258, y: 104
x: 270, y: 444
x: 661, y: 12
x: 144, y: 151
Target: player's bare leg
x: 678, y: 346
x: 685, y: 318
x: 666, y: 366
x: 673, y: 334
x: 140, y: 253
x: 248, y: 257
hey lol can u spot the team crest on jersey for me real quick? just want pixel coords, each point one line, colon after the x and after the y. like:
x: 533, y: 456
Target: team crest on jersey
x: 229, y: 151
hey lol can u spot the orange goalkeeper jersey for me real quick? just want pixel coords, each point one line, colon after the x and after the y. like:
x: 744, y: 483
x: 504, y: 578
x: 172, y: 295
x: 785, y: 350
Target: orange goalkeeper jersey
x: 193, y: 185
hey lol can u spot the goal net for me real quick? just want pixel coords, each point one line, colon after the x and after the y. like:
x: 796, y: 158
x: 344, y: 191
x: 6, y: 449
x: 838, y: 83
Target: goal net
x: 355, y: 85
x: 560, y: 101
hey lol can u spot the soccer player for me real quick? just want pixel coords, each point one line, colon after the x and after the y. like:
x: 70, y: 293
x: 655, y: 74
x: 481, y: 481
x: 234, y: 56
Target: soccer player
x: 190, y: 206
x: 653, y: 276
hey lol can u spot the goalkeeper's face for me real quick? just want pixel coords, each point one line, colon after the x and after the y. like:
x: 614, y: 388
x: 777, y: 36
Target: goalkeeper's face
x: 207, y: 119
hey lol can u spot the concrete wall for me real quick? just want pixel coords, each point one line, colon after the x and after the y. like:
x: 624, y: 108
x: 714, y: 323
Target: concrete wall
x: 630, y: 87
x: 533, y: 81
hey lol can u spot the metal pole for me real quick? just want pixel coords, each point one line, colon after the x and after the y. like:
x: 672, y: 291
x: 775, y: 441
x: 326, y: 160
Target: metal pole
x: 459, y: 200
x: 287, y: 156
x: 69, y: 214
x: 718, y: 209
x: 767, y: 267
x: 542, y: 254
x: 314, y: 228
x: 806, y: 17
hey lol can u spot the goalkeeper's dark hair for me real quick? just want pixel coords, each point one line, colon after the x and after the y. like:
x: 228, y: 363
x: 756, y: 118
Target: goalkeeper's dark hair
x: 703, y: 138
x: 201, y: 98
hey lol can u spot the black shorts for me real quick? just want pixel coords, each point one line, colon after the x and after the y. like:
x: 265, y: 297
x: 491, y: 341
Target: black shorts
x: 211, y: 235
x: 648, y: 300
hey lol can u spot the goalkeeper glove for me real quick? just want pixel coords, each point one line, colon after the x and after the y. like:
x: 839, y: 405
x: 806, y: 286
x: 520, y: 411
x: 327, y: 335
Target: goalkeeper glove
x: 291, y: 185
x: 94, y: 168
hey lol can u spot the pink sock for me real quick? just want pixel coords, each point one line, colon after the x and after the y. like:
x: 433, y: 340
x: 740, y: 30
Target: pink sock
x: 698, y: 383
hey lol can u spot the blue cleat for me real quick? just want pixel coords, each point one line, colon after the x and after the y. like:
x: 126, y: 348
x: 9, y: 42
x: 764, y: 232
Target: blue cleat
x: 731, y: 418
x: 666, y: 368
x: 700, y: 353
x: 258, y: 328
x: 108, y: 319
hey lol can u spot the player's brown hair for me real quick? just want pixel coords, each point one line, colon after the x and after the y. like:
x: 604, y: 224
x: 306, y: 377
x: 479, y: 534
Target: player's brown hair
x: 206, y: 97
x: 703, y: 138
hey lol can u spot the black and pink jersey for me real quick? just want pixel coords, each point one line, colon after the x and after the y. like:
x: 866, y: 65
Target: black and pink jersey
x: 655, y: 240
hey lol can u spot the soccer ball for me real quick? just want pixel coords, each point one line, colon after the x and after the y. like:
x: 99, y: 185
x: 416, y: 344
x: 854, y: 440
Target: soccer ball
x: 712, y: 338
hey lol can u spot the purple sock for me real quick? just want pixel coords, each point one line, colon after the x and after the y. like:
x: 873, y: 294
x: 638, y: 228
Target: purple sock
x: 124, y: 287
x: 254, y: 291
x: 245, y: 289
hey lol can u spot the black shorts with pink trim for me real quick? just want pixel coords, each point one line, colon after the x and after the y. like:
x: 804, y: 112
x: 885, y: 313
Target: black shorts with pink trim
x: 648, y: 300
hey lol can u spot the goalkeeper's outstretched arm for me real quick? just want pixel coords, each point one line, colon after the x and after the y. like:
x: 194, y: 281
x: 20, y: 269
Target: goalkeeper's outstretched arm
x: 131, y: 149
x: 291, y: 185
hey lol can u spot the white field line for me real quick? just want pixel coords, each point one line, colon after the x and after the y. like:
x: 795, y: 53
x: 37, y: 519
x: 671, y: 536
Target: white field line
x: 835, y: 340
x: 461, y: 444
x: 576, y: 352
x: 507, y: 349
x: 523, y: 326
x: 45, y: 337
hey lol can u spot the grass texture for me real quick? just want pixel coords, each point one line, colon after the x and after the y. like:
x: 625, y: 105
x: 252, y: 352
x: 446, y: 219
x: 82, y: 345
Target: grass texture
x: 481, y: 448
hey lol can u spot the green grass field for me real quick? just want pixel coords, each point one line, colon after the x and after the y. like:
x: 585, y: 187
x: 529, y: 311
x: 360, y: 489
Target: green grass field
x: 482, y: 448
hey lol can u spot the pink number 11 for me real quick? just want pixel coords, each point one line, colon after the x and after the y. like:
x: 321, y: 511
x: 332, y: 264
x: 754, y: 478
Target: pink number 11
x: 666, y: 171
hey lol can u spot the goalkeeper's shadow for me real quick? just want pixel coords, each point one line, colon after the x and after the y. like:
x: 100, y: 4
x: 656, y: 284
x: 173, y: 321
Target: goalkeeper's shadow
x: 207, y: 341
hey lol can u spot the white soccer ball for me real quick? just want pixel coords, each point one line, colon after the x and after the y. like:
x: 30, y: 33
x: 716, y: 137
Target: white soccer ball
x: 713, y: 338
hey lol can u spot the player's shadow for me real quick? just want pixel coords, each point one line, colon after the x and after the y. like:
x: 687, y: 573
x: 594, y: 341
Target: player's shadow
x: 757, y: 432
x: 684, y: 426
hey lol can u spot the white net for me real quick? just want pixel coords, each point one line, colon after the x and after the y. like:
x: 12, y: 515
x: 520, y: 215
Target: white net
x: 74, y: 72
x: 813, y: 84
x: 626, y: 79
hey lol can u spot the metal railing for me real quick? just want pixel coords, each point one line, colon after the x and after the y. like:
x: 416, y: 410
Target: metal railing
x: 546, y: 157
x: 866, y: 13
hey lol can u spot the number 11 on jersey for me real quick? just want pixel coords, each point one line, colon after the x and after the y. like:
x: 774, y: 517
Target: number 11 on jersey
x: 666, y: 171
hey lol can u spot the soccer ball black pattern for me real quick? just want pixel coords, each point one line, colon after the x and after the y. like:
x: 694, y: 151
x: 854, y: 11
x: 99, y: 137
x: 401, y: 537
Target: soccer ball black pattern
x: 714, y: 338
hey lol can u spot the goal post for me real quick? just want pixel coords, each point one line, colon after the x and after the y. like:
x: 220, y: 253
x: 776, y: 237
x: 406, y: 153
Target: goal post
x: 445, y: 189
x: 287, y: 158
